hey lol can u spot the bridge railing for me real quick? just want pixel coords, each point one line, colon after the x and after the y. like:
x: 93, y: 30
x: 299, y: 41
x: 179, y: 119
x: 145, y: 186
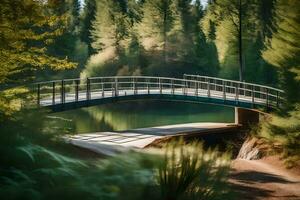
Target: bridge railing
x: 273, y: 96
x: 73, y: 90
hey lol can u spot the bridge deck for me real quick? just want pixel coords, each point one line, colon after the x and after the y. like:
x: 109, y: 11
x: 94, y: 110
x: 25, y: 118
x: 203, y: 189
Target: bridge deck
x: 97, y: 94
x: 109, y: 143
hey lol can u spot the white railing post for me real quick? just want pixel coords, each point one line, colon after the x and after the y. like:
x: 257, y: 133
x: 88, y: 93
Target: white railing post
x: 88, y: 89
x: 116, y: 86
x: 148, y: 89
x: 267, y: 97
x: 38, y: 94
x: 237, y: 93
x: 134, y: 86
x: 183, y: 88
x: 160, y: 88
x: 252, y: 95
x: 172, y: 86
x: 208, y: 88
x: 215, y: 83
x: 224, y: 90
x: 53, y: 93
x: 62, y: 97
x: 112, y: 88
x: 102, y: 88
x: 196, y: 89
x: 277, y: 99
x: 76, y: 89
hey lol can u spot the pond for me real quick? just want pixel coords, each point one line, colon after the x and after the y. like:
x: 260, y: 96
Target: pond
x: 140, y: 114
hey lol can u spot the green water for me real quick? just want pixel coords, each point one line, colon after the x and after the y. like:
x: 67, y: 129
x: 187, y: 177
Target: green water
x: 130, y: 115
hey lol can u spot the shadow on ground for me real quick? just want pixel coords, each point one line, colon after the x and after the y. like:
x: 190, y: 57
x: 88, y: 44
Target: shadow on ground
x: 244, y: 184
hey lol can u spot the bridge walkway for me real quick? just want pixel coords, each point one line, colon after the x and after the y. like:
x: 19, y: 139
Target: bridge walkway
x: 62, y: 93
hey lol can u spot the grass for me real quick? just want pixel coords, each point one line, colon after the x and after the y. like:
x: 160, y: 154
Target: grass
x: 36, y: 164
x: 189, y: 172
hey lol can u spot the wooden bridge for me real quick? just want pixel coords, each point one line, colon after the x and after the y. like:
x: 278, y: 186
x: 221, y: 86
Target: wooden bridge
x: 67, y: 94
x: 247, y: 98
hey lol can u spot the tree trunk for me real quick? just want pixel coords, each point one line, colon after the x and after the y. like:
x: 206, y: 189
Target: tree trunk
x: 241, y: 70
x: 165, y: 35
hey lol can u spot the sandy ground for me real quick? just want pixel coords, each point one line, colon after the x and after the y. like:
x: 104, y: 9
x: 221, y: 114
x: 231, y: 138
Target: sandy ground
x: 266, y: 179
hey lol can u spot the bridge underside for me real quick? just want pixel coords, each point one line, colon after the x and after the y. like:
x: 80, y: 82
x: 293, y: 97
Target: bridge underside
x: 245, y: 113
x: 164, y: 97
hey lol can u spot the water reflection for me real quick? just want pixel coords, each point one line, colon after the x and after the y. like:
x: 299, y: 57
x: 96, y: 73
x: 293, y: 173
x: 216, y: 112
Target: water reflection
x: 129, y: 115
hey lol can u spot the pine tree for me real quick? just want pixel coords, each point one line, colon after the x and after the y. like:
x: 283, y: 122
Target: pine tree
x: 65, y: 45
x: 114, y: 41
x: 254, y: 33
x: 26, y: 31
x: 155, y: 25
x: 86, y: 27
x: 110, y: 27
x: 283, y: 46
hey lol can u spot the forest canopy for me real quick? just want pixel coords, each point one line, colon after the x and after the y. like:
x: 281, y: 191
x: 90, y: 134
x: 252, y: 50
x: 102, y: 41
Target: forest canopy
x: 151, y: 37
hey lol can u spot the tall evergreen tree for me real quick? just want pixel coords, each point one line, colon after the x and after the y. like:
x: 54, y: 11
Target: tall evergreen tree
x: 110, y: 25
x: 88, y: 16
x: 26, y: 31
x: 67, y: 45
x: 114, y: 40
x: 282, y: 47
x: 221, y: 25
x: 256, y: 28
x: 156, y: 24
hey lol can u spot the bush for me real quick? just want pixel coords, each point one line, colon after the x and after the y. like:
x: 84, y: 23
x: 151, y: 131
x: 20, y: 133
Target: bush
x: 284, y: 131
x: 189, y: 172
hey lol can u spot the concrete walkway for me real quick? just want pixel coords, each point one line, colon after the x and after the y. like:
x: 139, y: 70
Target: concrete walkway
x: 110, y: 143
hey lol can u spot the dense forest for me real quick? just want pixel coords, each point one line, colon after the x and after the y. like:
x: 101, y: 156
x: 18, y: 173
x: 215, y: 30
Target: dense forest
x: 248, y: 40
x: 155, y: 37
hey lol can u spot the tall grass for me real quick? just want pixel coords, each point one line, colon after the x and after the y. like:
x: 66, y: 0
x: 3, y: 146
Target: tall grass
x: 189, y: 172
x: 35, y: 164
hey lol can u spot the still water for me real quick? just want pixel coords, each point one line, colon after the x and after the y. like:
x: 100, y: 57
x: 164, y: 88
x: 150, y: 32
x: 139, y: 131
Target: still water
x: 139, y: 114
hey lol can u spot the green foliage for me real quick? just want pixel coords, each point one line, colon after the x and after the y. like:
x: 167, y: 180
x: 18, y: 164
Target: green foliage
x: 11, y: 101
x: 221, y: 26
x: 110, y: 25
x: 26, y: 31
x: 36, y: 164
x: 189, y: 172
x: 283, y: 46
x: 116, y: 46
x: 127, y: 40
x: 87, y: 17
x: 285, y: 131
x: 69, y: 44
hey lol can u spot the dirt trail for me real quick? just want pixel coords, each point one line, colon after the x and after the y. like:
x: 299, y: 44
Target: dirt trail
x: 266, y: 179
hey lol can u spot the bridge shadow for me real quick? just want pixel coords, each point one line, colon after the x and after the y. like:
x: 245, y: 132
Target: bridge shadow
x: 171, y: 131
x: 166, y: 131
x: 248, y: 185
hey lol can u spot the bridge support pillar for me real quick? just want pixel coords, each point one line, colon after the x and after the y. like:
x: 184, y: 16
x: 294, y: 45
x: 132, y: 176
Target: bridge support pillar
x: 246, y: 117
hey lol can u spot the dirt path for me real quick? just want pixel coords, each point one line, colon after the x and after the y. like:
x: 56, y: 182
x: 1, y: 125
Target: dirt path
x: 264, y: 179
